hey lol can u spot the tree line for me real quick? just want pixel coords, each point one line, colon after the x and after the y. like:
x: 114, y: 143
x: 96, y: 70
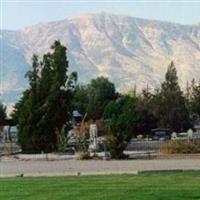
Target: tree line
x: 46, y: 106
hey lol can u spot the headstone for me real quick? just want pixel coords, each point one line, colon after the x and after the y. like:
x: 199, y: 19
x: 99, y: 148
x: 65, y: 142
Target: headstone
x: 139, y: 137
x: 174, y: 136
x: 190, y: 133
x: 93, y: 137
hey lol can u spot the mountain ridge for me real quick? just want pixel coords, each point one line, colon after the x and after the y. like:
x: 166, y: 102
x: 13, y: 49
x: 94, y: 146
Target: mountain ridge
x: 106, y: 13
x: 128, y: 50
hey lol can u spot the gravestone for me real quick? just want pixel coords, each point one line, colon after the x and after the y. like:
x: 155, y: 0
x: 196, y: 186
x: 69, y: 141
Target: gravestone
x: 174, y: 136
x: 93, y: 138
x: 190, y: 134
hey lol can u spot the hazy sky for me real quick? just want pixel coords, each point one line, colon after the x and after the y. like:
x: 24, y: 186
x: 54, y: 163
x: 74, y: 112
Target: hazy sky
x: 16, y: 14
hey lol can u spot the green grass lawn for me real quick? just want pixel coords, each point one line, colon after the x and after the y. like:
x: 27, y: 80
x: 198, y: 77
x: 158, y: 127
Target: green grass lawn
x: 166, y: 186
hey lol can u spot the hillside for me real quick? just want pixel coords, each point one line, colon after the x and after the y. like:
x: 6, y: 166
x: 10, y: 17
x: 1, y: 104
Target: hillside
x: 128, y: 50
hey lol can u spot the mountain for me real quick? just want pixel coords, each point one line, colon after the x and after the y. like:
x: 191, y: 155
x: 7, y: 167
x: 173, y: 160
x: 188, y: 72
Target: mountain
x: 127, y: 50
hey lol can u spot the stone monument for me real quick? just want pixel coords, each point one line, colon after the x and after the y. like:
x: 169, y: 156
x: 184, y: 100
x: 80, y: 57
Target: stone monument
x: 93, y: 138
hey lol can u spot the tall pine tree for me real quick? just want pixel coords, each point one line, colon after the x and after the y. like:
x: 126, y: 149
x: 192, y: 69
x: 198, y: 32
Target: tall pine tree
x: 169, y: 103
x: 195, y: 100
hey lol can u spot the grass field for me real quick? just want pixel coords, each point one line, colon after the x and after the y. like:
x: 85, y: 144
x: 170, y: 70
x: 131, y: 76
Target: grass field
x: 167, y: 186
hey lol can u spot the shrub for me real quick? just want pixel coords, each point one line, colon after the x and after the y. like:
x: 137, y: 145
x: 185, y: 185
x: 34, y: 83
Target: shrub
x: 84, y: 156
x: 181, y: 147
x: 119, y: 118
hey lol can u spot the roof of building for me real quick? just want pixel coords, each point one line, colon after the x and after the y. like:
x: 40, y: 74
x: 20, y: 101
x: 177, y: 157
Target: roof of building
x: 76, y: 114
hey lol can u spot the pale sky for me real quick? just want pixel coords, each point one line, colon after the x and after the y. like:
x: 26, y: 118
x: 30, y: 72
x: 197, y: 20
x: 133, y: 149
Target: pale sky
x: 16, y: 14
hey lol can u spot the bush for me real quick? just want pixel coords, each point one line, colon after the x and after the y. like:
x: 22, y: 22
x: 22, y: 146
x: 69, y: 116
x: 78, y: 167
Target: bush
x: 181, y: 147
x: 119, y: 123
x: 84, y: 156
x: 116, y: 146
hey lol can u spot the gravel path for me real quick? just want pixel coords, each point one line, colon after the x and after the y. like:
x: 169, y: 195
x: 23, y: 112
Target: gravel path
x: 91, y: 167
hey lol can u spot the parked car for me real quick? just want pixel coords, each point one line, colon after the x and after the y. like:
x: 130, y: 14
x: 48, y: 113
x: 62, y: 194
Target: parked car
x: 162, y: 136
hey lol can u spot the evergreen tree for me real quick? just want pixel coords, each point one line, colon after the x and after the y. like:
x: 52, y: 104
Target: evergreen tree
x: 25, y: 113
x: 169, y: 103
x: 26, y: 110
x: 43, y: 110
x: 195, y: 99
x: 145, y: 119
x: 55, y: 109
x: 2, y: 112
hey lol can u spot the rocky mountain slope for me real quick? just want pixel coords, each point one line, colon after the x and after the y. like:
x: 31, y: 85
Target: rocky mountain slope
x: 128, y: 50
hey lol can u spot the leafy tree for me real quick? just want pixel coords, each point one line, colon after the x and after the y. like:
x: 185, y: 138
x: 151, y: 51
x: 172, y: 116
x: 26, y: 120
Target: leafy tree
x: 100, y: 92
x: 80, y: 98
x: 169, y: 103
x: 119, y: 117
x: 93, y: 98
x: 44, y: 107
